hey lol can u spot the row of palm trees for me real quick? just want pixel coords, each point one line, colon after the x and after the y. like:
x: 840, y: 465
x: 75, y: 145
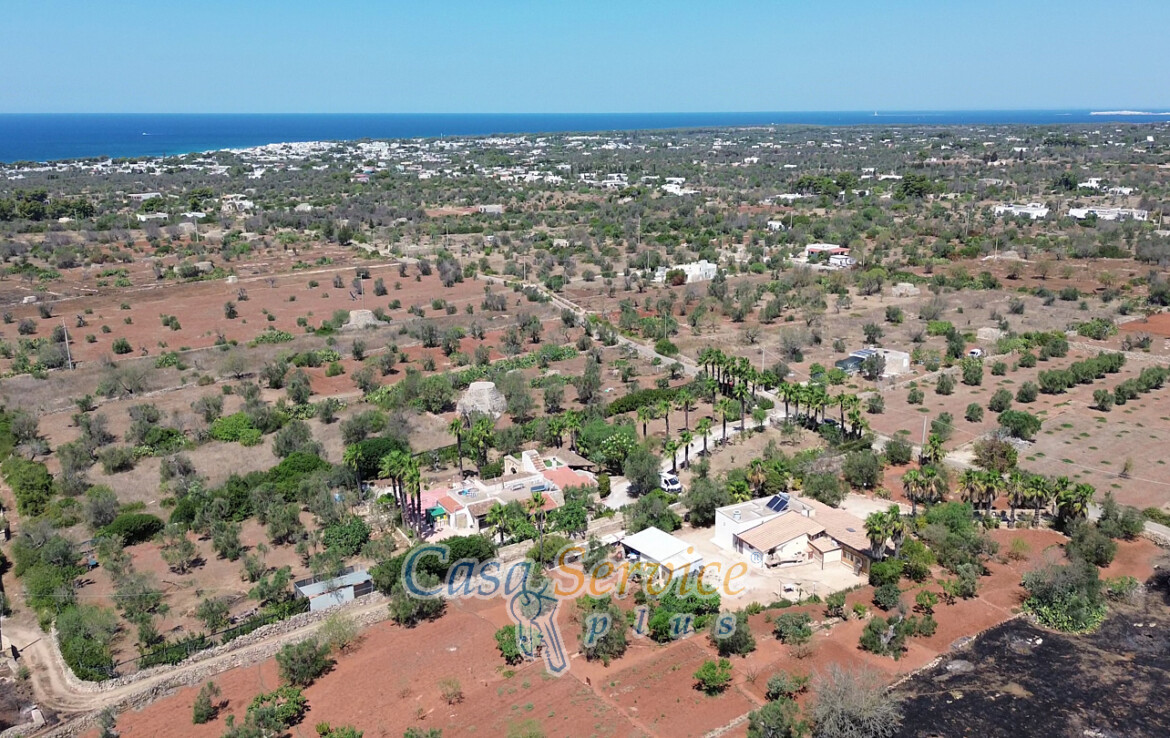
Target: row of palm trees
x: 735, y: 376
x: 928, y: 485
x: 1069, y: 501
x: 887, y: 525
x: 405, y: 476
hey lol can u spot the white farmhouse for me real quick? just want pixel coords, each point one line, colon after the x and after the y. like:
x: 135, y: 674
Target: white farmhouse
x: 1033, y: 210
x: 1109, y: 213
x: 696, y: 271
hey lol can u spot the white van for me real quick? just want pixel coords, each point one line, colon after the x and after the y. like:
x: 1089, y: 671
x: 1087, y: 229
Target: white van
x: 669, y: 483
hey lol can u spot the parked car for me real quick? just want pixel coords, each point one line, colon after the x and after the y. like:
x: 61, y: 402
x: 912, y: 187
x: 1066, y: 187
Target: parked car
x: 669, y: 483
x: 976, y: 353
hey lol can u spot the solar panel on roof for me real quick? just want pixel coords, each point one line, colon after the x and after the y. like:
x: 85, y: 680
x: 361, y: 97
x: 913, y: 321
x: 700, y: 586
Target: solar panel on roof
x: 779, y: 503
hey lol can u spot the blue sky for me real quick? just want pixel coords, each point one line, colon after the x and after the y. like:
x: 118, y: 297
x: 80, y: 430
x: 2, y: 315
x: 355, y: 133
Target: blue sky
x: 324, y: 56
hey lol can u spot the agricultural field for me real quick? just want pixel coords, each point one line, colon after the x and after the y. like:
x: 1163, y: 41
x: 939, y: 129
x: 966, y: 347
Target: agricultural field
x: 226, y: 382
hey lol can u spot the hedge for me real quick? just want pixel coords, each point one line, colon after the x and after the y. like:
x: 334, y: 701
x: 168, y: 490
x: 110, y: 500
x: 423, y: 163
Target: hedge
x: 31, y: 483
x: 133, y: 528
x: 638, y: 399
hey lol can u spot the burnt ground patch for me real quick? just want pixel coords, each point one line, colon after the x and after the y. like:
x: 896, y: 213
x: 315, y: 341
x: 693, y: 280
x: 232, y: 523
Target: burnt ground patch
x: 1021, y: 680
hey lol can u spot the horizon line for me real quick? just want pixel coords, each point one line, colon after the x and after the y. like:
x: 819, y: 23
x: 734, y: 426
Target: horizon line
x: 1115, y: 109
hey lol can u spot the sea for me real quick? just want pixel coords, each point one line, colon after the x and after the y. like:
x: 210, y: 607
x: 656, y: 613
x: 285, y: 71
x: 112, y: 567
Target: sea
x: 51, y: 137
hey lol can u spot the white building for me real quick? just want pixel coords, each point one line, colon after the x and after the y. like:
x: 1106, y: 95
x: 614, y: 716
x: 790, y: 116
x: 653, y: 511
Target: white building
x: 696, y: 271
x: 783, y: 530
x: 897, y: 362
x: 732, y: 520
x: 147, y: 217
x: 491, y: 209
x: 656, y: 546
x: 1033, y: 210
x: 1109, y: 213
x: 144, y: 196
x: 826, y: 249
x: 842, y: 261
x: 776, y: 225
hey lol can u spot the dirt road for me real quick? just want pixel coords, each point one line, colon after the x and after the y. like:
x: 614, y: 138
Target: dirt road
x: 77, y: 703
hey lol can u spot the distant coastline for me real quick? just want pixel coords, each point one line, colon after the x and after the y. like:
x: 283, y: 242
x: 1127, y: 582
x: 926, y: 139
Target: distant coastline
x: 1127, y: 112
x: 55, y: 137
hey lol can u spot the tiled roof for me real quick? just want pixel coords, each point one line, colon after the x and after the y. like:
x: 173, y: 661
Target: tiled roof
x: 780, y: 530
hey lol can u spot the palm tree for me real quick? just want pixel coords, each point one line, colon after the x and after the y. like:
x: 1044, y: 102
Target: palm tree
x: 786, y: 392
x: 703, y: 427
x: 455, y: 428
x: 393, y: 466
x: 1017, y: 492
x: 724, y: 408
x: 705, y: 358
x: 685, y: 438
x: 645, y: 414
x: 664, y: 413
x: 573, y: 427
x: 818, y: 401
x: 686, y: 402
x: 671, y: 447
x: 1040, y: 491
x: 912, y: 485
x: 353, y: 459
x: 932, y: 453
x: 556, y: 428
x: 898, y: 527
x: 877, y: 529
x: 757, y: 475
x: 853, y: 410
x: 480, y: 437
x: 841, y: 400
x: 497, y: 517
x: 993, y: 487
x: 971, y: 482
x: 857, y: 422
x: 934, y: 486
x: 708, y: 387
x: 413, y: 482
x: 740, y: 392
x: 1073, y: 502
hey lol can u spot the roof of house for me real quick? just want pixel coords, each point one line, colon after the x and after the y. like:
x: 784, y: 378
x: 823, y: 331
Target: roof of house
x: 756, y: 509
x: 573, y: 459
x: 655, y: 544
x: 841, y: 525
x: 449, y: 504
x: 345, y: 580
x: 780, y: 530
x: 564, y: 477
x: 824, y: 544
x: 481, y: 508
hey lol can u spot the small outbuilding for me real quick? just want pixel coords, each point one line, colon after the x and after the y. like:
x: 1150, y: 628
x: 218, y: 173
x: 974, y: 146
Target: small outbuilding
x: 671, y: 554
x: 326, y: 593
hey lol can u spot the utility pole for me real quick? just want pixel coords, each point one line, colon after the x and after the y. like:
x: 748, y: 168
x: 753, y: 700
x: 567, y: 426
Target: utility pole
x: 68, y: 353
